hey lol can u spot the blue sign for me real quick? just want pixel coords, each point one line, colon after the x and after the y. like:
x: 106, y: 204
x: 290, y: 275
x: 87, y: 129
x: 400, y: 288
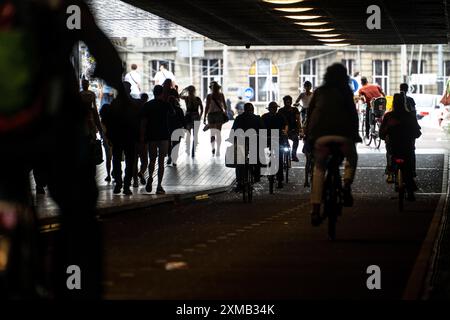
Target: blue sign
x: 354, y: 85
x: 249, y: 93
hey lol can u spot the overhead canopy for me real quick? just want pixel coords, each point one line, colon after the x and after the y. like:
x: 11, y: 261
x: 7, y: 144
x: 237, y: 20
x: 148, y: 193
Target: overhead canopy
x: 256, y: 22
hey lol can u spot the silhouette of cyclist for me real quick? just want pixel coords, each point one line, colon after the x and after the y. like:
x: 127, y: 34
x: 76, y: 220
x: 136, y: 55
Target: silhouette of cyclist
x: 41, y: 117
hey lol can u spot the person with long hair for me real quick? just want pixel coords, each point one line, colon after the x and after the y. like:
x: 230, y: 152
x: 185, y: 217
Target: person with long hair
x: 400, y: 130
x: 215, y: 112
x: 332, y: 118
x: 194, y: 112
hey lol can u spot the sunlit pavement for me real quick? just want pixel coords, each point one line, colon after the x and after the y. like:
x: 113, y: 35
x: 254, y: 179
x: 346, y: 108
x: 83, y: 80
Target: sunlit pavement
x: 222, y: 248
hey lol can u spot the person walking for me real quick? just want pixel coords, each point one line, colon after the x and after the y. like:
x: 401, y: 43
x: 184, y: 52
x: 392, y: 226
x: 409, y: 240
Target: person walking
x: 134, y: 79
x: 124, y: 134
x: 176, y: 122
x: 194, y: 113
x: 88, y: 101
x: 215, y: 112
x: 163, y: 74
x: 155, y: 132
x: 141, y: 152
x: 107, y: 146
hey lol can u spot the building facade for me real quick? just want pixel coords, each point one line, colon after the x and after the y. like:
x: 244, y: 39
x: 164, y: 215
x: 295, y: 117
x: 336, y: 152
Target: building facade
x: 273, y: 72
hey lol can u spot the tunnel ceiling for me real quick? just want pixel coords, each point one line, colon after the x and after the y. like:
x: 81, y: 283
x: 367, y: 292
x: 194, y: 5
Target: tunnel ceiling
x: 256, y: 22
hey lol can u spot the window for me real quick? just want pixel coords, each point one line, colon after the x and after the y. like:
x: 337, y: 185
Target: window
x: 446, y: 72
x: 415, y: 70
x: 381, y: 74
x: 446, y: 69
x: 348, y: 64
x: 155, y: 64
x: 212, y: 70
x: 308, y: 72
x: 263, y: 78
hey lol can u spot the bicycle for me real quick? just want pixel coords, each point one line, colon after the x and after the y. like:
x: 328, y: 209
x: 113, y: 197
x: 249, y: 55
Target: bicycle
x: 333, y: 191
x: 377, y: 109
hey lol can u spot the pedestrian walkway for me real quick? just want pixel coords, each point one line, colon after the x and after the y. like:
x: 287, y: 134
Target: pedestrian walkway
x: 189, y: 179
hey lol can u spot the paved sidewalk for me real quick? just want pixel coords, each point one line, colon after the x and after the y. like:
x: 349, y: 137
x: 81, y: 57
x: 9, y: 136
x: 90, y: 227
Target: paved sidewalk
x: 191, y: 178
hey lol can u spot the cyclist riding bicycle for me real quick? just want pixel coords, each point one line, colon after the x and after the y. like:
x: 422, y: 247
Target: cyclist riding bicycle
x: 332, y: 119
x: 400, y: 130
x: 292, y: 116
x: 246, y: 121
x: 369, y: 92
x: 274, y: 121
x: 305, y: 99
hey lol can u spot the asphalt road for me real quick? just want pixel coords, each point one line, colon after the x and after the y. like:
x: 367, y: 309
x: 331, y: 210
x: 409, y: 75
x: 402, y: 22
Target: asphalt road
x: 221, y: 248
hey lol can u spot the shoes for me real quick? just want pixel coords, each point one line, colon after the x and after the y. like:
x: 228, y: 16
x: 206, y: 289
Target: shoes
x: 117, y: 189
x: 142, y: 179
x: 108, y: 179
x: 306, y: 184
x: 135, y: 183
x: 169, y: 161
x: 316, y: 220
x: 127, y: 191
x: 148, y: 186
x: 295, y: 159
x: 347, y: 196
x: 40, y: 190
x: 174, y: 164
x: 411, y: 197
x: 218, y: 153
x: 280, y: 185
x: 213, y: 152
x: 160, y: 190
x: 390, y: 178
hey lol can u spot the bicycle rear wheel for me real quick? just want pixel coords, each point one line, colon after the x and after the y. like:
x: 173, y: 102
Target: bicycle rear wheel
x: 271, y: 183
x: 250, y: 184
x: 286, y: 166
x: 332, y: 219
x: 377, y: 138
x: 401, y: 190
x: 244, y: 183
